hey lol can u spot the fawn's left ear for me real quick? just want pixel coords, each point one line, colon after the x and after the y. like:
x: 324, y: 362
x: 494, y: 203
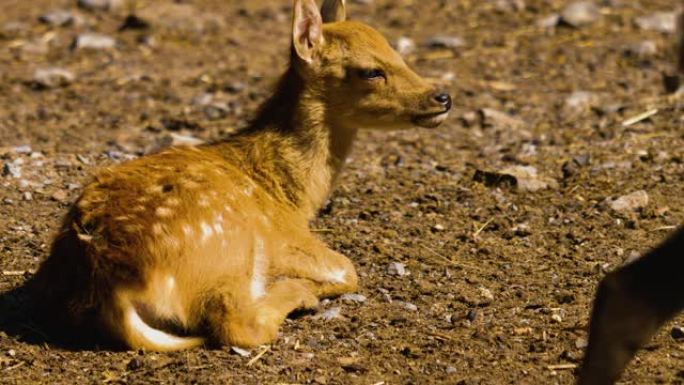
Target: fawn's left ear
x: 307, y: 29
x: 333, y: 11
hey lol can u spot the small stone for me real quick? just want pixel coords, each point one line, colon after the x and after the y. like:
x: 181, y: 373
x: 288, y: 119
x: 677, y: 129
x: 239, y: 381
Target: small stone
x: 27, y: 196
x: 523, y: 178
x: 486, y: 294
x: 677, y: 333
x: 12, y: 353
x: 53, y: 78
x: 550, y: 21
x: 99, y: 5
x: 405, y: 46
x: 630, y: 202
x: 556, y: 318
x: 451, y: 370
x: 499, y: 120
x: 331, y: 314
x: 437, y: 228
x: 135, y: 364
x: 94, y: 41
x: 216, y: 110
x: 174, y: 140
x: 57, y: 18
x: 406, y: 305
x: 23, y: 149
x: 580, y: 14
x: 12, y: 170
x: 397, y: 269
x: 509, y: 5
x: 580, y: 100
x: 353, y: 298
x: 581, y: 343
x: 663, y: 22
x: 60, y: 196
x: 240, y: 352
x: 642, y: 49
x: 442, y: 42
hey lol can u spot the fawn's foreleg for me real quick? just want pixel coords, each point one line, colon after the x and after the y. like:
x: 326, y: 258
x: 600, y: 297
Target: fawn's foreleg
x: 309, y: 258
x: 248, y: 322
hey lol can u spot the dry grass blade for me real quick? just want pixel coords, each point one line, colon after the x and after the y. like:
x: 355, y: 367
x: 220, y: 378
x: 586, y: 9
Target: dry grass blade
x: 640, y: 118
x: 258, y: 356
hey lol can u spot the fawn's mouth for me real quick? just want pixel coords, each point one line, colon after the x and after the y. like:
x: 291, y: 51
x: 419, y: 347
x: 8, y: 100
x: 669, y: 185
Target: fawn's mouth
x: 430, y: 120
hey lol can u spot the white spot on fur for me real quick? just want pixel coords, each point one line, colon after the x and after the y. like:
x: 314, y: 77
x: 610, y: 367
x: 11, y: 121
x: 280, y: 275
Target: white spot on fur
x: 173, y: 202
x: 157, y: 229
x: 155, y: 189
x: 187, y: 230
x: 258, y: 284
x: 336, y: 276
x: 163, y: 212
x: 206, y: 231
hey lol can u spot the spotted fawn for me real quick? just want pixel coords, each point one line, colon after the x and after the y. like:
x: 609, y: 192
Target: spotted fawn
x: 211, y: 243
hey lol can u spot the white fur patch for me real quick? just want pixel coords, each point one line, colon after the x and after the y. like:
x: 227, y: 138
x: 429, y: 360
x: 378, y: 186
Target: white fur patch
x: 153, y: 336
x: 258, y: 284
x: 207, y: 231
x: 336, y: 276
x: 164, y: 212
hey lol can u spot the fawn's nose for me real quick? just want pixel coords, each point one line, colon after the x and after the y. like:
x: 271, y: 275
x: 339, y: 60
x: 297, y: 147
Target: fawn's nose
x: 443, y: 98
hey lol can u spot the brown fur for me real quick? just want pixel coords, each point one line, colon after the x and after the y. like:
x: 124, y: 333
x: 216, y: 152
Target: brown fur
x: 213, y: 242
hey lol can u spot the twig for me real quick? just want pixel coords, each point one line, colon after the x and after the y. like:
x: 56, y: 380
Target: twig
x: 18, y: 365
x: 13, y: 273
x: 562, y: 367
x: 663, y: 228
x: 258, y: 356
x: 481, y: 229
x: 449, y: 261
x: 639, y: 118
x: 322, y: 230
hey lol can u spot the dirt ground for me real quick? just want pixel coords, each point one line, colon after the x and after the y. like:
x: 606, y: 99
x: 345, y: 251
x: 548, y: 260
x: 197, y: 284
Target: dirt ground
x: 498, y: 281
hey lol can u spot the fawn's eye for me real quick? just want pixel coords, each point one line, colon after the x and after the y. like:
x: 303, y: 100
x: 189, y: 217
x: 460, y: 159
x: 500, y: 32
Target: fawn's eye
x: 373, y: 74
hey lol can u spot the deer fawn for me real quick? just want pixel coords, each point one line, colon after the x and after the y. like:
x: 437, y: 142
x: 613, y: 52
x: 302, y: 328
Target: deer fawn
x: 212, y: 243
x: 634, y: 301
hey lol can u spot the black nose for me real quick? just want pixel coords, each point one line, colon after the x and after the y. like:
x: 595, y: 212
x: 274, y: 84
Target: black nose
x: 444, y: 99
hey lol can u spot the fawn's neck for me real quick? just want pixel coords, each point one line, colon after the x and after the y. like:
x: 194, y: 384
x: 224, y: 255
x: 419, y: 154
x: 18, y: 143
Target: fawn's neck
x: 295, y: 124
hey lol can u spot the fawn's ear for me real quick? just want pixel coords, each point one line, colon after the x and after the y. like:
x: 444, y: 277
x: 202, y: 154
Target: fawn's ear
x: 307, y: 29
x: 333, y: 11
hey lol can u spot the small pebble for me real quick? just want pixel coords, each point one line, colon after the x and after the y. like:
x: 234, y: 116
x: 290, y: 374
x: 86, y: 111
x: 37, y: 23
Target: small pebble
x: 397, y: 269
x: 241, y: 352
x: 94, y: 41
x: 630, y: 202
x: 451, y: 370
x: 59, y: 196
x: 406, y: 305
x: 330, y: 314
x: 99, y: 5
x: 12, y: 170
x: 353, y: 298
x: 580, y: 14
x: 449, y: 42
x: 57, y: 18
x: 53, y: 77
x: 663, y: 22
x: 405, y: 45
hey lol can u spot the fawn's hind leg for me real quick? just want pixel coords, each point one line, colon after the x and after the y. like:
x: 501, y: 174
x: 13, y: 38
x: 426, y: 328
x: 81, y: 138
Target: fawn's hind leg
x: 248, y: 322
x: 309, y: 258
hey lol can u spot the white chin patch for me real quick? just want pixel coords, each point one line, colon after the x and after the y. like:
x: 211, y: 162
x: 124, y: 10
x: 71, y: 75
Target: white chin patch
x: 437, y: 120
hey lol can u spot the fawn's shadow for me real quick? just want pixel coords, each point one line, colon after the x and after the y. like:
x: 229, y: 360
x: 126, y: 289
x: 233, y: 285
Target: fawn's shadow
x: 19, y: 320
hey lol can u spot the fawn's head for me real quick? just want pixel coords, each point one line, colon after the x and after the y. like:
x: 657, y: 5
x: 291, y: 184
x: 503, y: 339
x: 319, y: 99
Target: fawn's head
x: 363, y: 82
